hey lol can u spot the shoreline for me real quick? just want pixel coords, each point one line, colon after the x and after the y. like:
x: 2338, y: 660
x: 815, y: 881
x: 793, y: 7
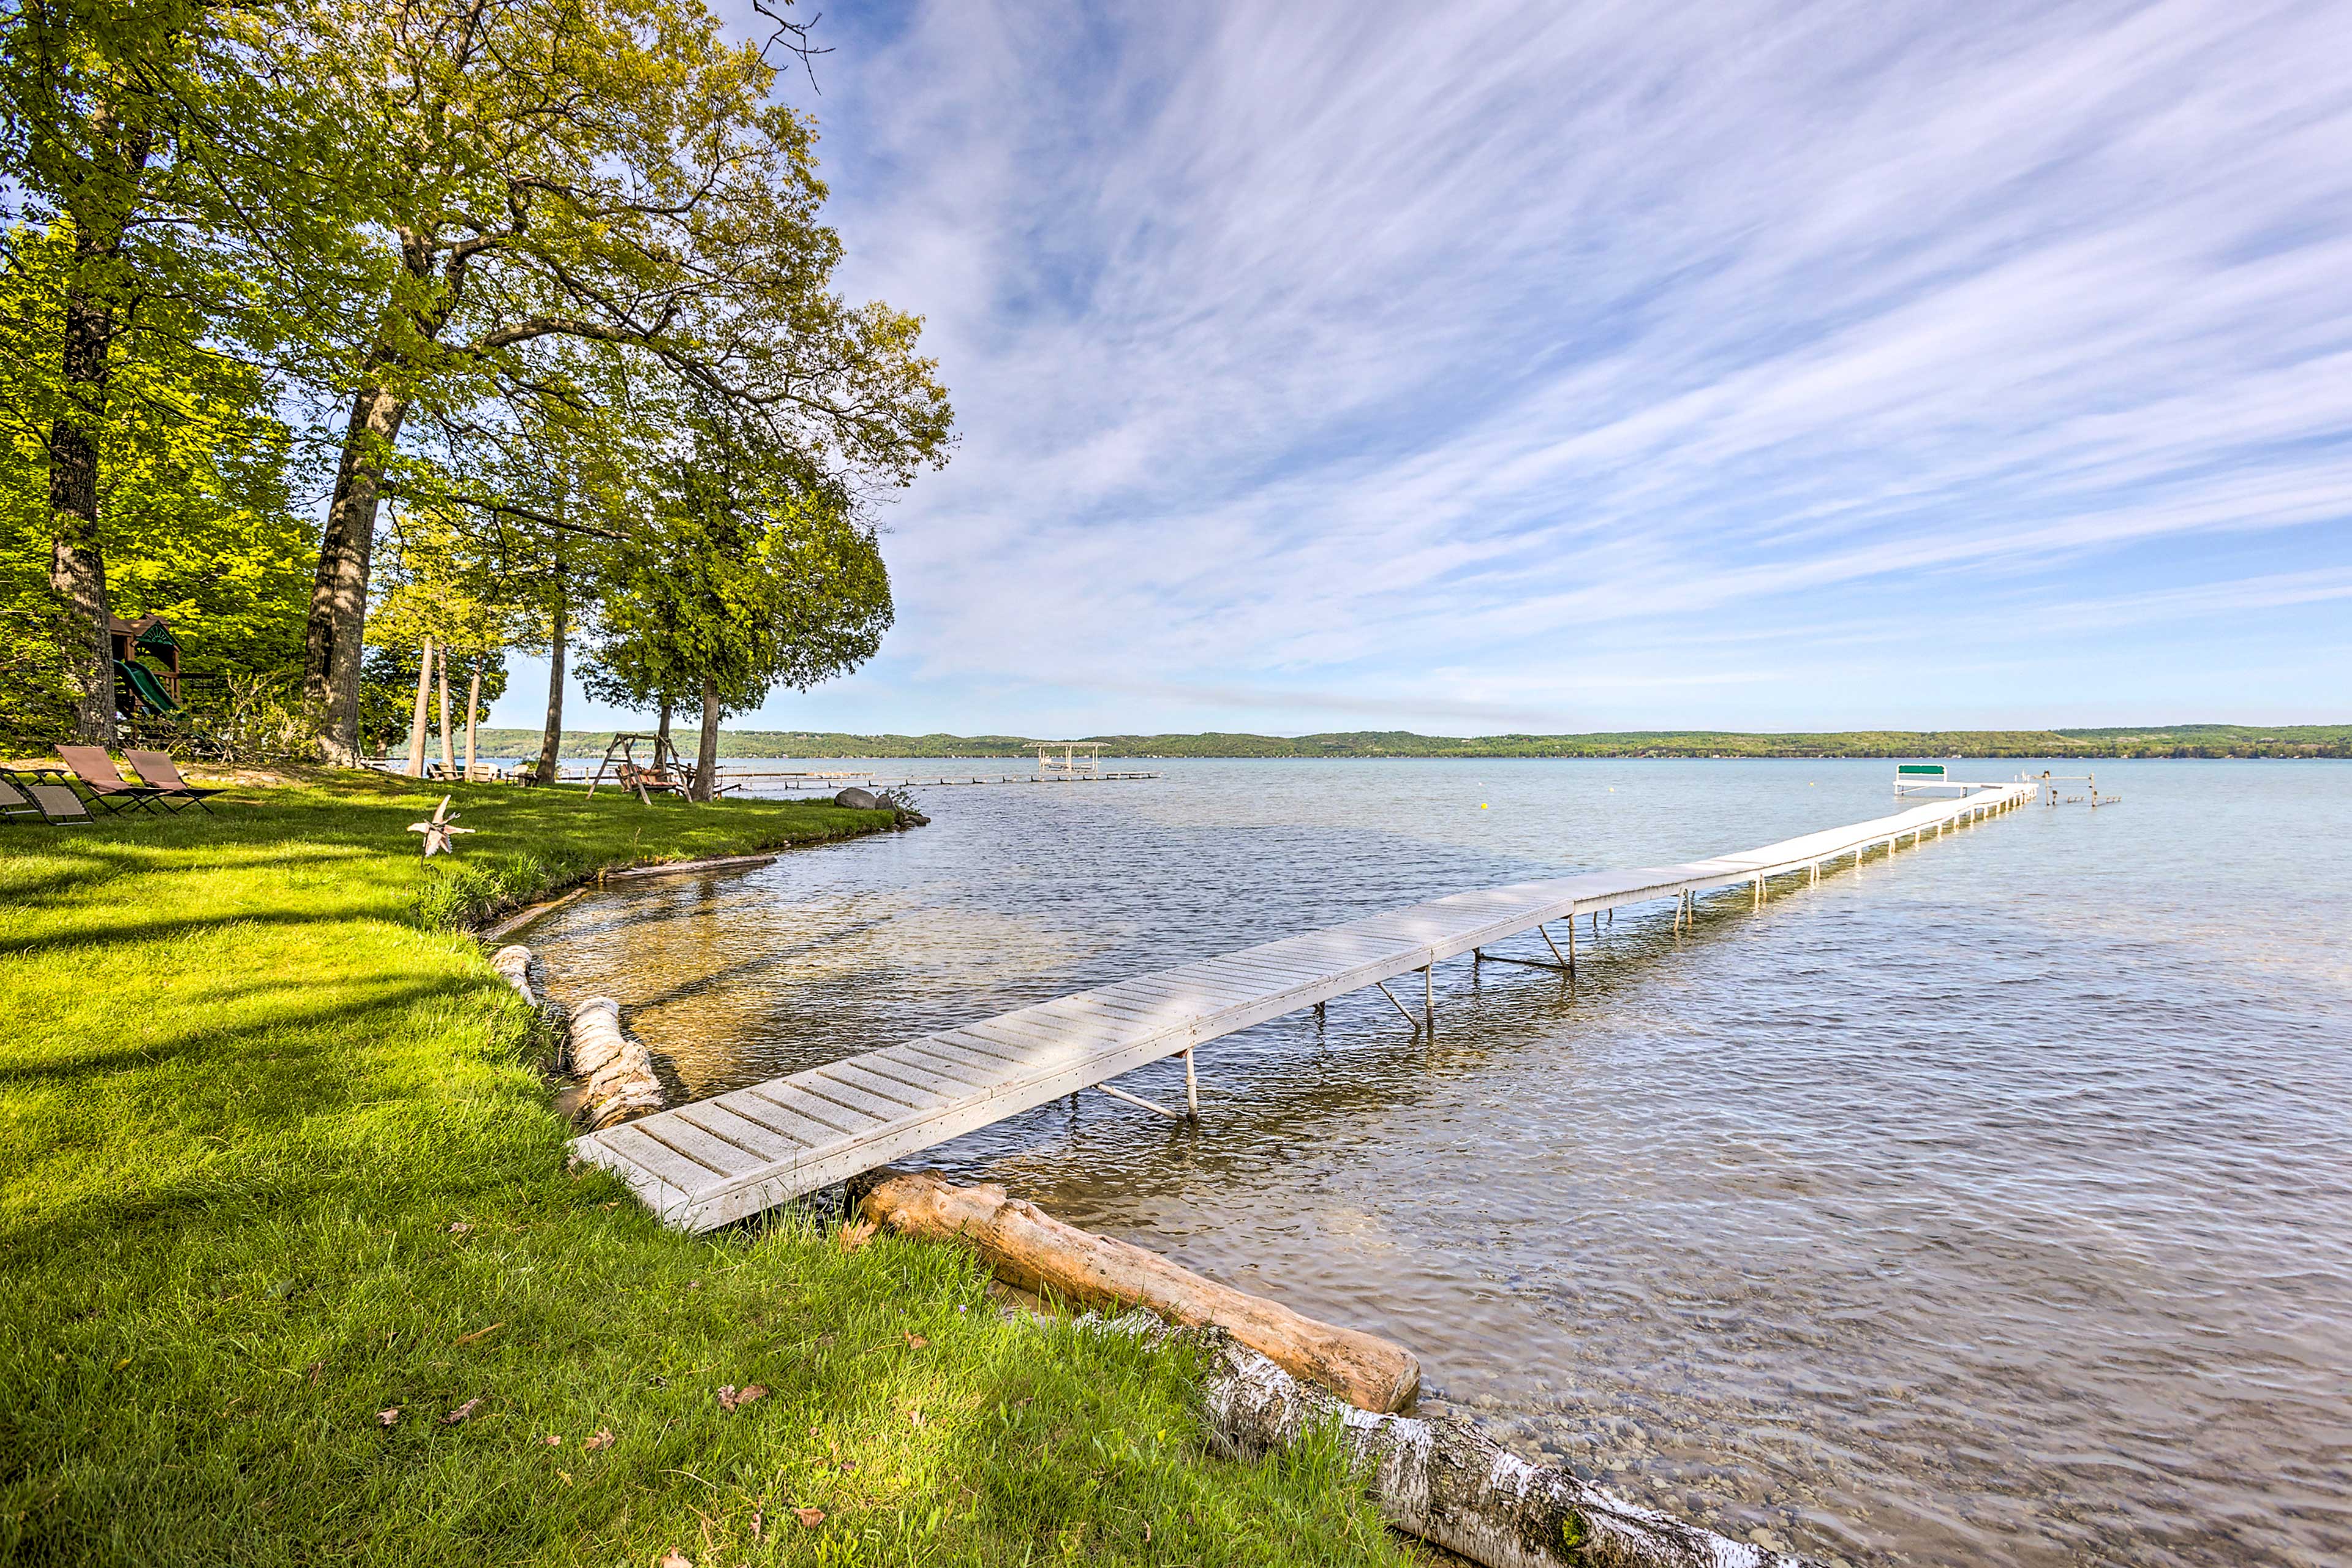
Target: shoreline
x: 294, y: 1265
x: 2152, y: 742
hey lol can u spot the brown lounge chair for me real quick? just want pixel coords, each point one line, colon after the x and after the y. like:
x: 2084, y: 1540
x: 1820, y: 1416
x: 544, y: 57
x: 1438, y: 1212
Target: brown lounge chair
x: 21, y: 797
x: 96, y: 771
x: 159, y: 772
x: 15, y: 804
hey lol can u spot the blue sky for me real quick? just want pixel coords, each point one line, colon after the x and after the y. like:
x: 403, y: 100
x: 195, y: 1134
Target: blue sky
x: 1497, y: 367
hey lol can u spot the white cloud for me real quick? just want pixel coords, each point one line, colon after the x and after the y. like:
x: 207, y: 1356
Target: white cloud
x: 1322, y: 361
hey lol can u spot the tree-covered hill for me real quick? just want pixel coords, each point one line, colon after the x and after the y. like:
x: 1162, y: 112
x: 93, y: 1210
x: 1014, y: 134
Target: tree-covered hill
x: 2157, y: 741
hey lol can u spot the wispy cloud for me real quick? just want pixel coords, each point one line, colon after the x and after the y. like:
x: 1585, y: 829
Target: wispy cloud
x: 1601, y: 364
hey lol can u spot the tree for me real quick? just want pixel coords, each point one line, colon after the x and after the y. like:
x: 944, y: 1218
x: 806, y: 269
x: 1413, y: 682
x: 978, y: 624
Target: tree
x: 449, y: 598
x: 760, y: 577
x: 142, y: 155
x: 191, y: 480
x: 608, y: 172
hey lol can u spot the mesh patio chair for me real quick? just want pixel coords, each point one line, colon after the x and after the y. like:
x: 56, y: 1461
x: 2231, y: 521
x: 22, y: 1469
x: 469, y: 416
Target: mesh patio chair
x: 16, y: 805
x: 96, y: 771
x: 51, y: 803
x: 159, y: 772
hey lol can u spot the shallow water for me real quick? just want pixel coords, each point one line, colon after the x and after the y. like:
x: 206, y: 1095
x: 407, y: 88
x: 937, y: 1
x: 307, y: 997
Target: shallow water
x: 1990, y: 1205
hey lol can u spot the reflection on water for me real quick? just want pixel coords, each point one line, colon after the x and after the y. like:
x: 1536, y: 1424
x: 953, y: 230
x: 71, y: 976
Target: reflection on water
x: 1990, y: 1205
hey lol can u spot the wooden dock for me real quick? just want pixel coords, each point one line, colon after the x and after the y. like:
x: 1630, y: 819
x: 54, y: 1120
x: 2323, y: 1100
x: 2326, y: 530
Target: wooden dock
x: 727, y: 1158
x: 736, y: 778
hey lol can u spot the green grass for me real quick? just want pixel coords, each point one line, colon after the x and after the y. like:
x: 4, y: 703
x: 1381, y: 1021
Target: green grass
x: 271, y: 1147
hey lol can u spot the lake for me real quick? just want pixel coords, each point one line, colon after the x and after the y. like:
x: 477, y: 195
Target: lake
x: 1992, y: 1205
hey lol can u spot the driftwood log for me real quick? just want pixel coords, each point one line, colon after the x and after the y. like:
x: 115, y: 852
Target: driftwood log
x: 618, y: 1082
x: 513, y: 965
x: 1443, y: 1479
x: 1030, y: 1249
x: 675, y: 868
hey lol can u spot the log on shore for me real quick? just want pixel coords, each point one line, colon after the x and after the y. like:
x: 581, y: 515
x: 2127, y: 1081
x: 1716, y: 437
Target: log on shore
x: 723, y: 862
x: 1031, y: 1250
x: 513, y: 965
x: 1443, y: 1479
x: 619, y: 1077
x: 524, y: 916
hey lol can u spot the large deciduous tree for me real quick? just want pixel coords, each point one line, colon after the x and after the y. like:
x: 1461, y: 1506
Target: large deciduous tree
x: 155, y: 165
x: 190, y: 473
x: 609, y: 171
x: 758, y: 576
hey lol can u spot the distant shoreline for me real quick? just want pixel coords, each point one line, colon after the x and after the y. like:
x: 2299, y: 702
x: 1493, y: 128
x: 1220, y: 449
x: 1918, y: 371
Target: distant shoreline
x: 2175, y: 741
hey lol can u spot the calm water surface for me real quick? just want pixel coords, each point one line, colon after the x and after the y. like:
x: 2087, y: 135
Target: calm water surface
x: 1992, y: 1205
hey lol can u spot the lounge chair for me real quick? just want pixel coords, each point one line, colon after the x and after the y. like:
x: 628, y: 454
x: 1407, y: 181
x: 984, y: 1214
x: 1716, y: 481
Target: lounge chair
x: 15, y: 804
x: 21, y: 797
x: 159, y: 772
x: 96, y: 771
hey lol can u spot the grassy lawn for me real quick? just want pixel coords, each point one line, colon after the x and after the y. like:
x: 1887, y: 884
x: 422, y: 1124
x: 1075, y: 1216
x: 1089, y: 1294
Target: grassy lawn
x: 280, y: 1191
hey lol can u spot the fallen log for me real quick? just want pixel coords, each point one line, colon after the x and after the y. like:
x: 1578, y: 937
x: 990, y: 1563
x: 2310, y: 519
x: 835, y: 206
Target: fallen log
x: 1031, y: 1250
x: 674, y: 867
x: 619, y: 1077
x: 1443, y: 1480
x: 513, y: 965
x: 523, y: 917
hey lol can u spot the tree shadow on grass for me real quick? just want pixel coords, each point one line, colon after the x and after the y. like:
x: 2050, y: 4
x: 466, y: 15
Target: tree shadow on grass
x: 353, y: 1004
x: 166, y: 928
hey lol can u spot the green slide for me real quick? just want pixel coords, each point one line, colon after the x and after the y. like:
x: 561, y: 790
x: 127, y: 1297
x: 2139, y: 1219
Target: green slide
x: 150, y: 689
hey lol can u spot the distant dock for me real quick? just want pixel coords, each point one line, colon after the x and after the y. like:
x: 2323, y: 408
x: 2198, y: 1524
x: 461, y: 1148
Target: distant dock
x: 831, y: 783
x: 704, y: 1164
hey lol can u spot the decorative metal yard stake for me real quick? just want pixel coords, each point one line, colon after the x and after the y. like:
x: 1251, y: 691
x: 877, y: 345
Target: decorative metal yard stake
x: 438, y: 832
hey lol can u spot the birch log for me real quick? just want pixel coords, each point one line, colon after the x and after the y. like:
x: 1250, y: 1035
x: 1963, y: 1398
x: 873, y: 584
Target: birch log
x: 513, y: 965
x: 1030, y: 1249
x: 619, y: 1076
x: 1445, y: 1481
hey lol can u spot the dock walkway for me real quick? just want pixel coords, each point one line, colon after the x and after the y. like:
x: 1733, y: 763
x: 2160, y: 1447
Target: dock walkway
x: 727, y: 1158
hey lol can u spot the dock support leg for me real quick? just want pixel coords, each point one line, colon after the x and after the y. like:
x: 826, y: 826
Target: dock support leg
x: 1191, y: 1090
x: 1429, y: 995
x: 1403, y: 1011
x: 1318, y: 1015
x: 1571, y: 944
x: 1138, y: 1099
x: 1545, y: 934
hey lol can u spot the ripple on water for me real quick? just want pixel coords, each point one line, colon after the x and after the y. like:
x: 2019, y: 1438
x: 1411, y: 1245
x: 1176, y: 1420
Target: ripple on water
x: 1989, y: 1205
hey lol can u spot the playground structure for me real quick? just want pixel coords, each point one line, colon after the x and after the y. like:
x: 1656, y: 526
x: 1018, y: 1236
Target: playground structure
x: 138, y: 689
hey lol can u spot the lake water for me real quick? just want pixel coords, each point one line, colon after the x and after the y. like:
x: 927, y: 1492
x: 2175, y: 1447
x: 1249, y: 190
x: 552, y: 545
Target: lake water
x: 1990, y: 1206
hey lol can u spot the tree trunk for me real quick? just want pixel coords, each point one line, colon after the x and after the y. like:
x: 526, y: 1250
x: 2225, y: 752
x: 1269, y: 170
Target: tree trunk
x: 77, y: 562
x: 78, y: 576
x: 706, y: 755
x: 550, y: 738
x: 1030, y: 1249
x: 100, y: 206
x: 661, y: 748
x: 332, y: 641
x: 448, y: 741
x: 473, y: 712
x: 416, y: 717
